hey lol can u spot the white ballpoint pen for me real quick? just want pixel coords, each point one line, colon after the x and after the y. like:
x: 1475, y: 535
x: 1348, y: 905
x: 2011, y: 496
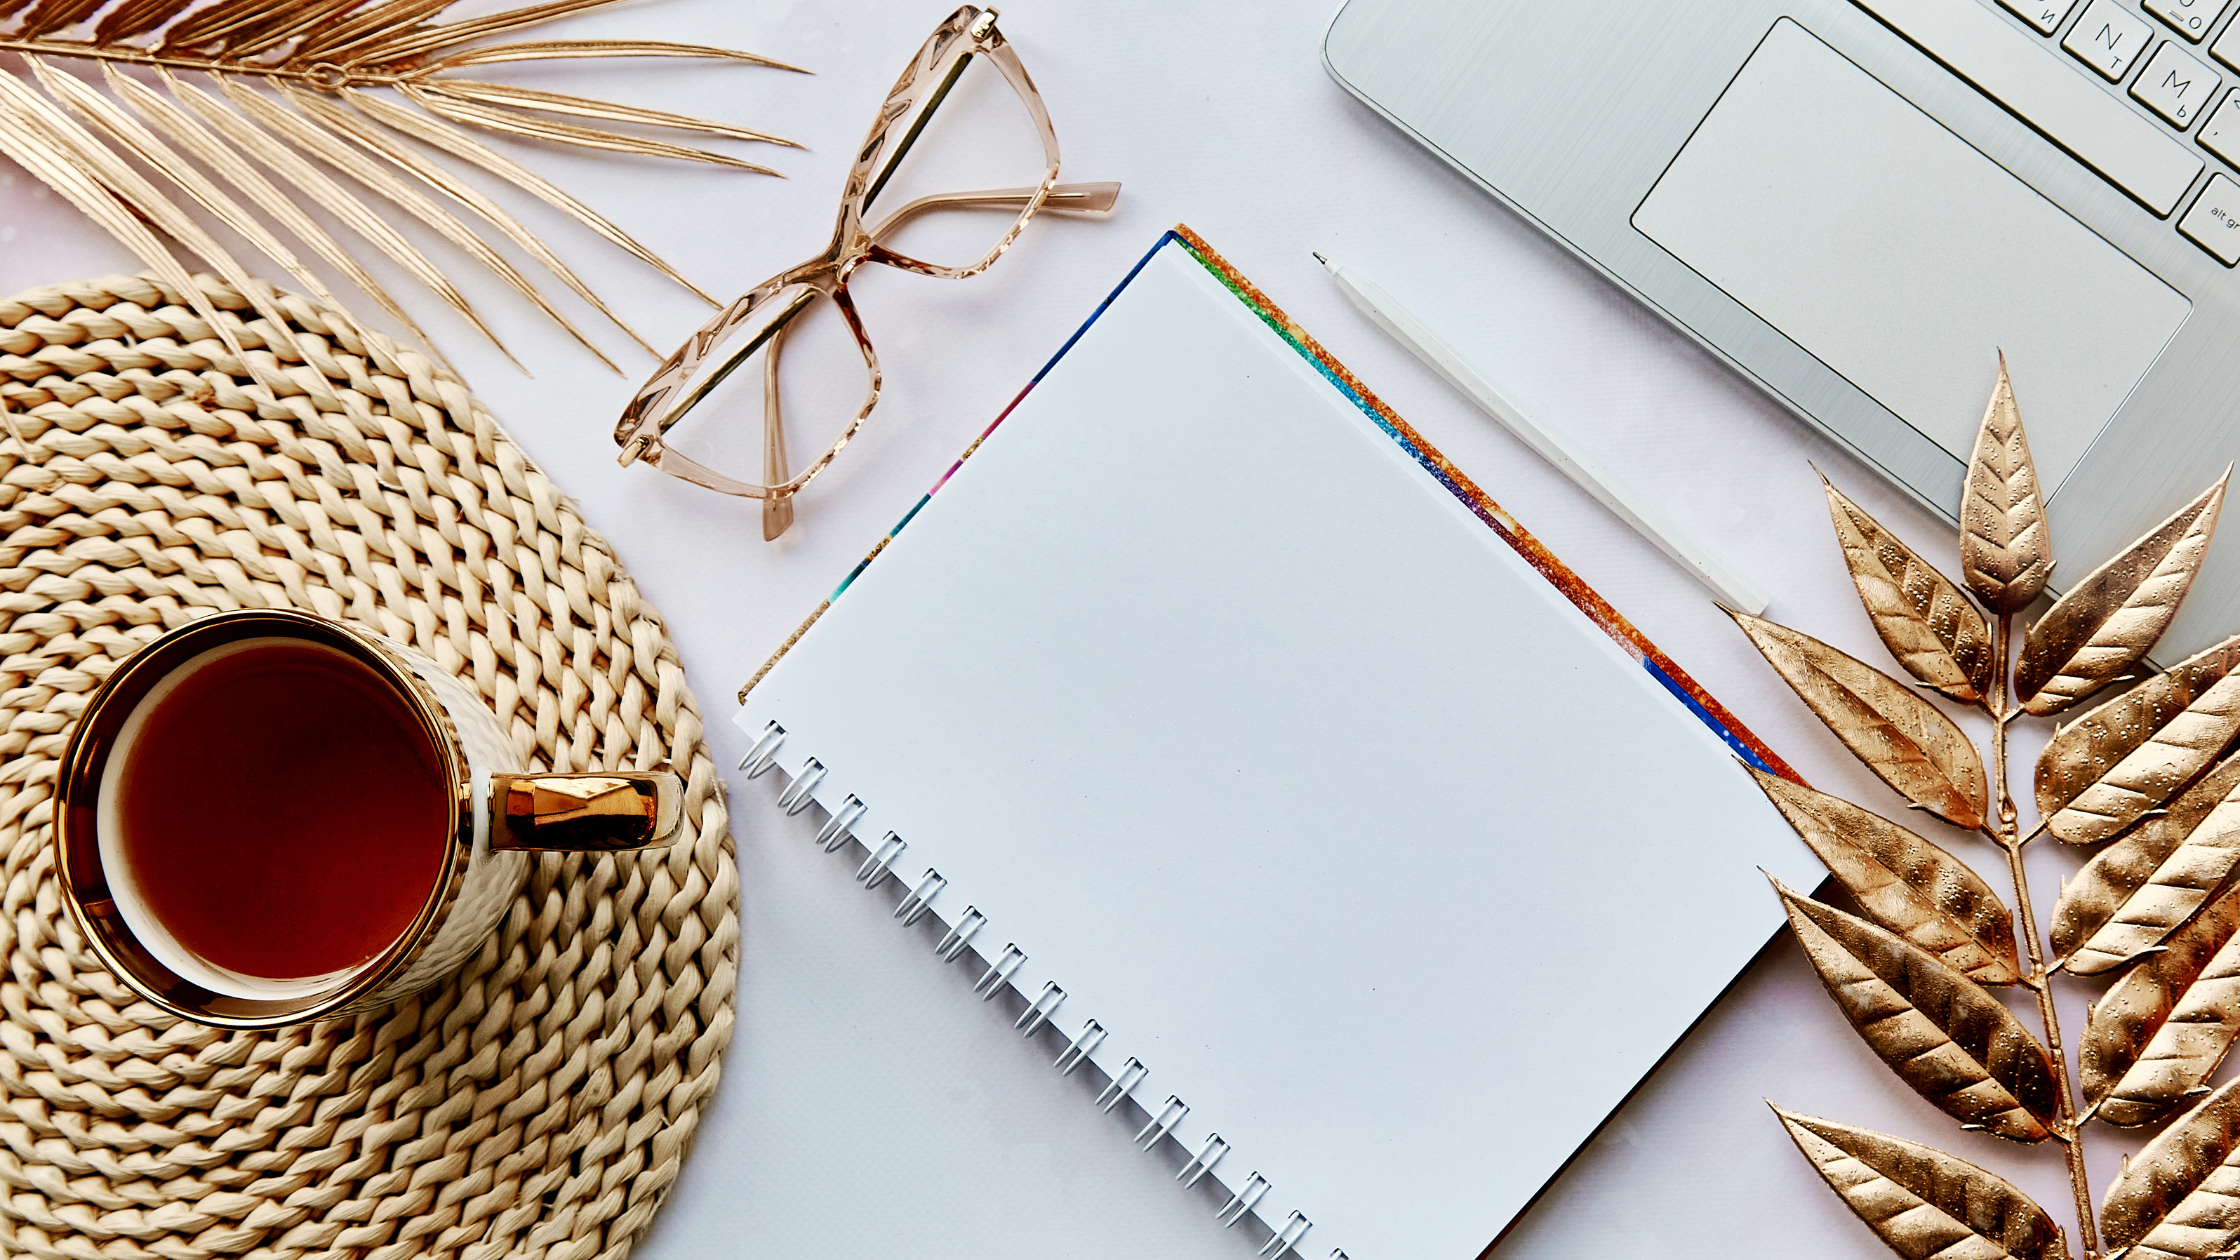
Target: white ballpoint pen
x: 1554, y: 445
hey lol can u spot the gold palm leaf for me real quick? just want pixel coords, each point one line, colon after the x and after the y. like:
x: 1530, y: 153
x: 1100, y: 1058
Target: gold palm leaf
x: 255, y: 113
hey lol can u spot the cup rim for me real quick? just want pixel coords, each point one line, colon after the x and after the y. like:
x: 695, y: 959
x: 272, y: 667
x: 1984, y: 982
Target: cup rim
x: 85, y: 882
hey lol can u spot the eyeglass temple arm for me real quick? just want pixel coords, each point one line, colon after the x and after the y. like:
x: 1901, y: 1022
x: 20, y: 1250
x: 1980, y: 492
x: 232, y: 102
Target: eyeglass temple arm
x: 1065, y: 198
x: 777, y: 510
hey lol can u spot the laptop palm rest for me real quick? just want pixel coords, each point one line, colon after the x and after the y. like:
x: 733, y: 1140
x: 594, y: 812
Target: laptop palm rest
x: 1903, y: 258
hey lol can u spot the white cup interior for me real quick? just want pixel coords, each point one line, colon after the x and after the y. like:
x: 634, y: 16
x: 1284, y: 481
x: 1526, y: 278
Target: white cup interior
x: 108, y: 824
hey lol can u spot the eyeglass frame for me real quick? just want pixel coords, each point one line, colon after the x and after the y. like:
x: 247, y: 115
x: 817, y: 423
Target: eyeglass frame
x: 939, y: 62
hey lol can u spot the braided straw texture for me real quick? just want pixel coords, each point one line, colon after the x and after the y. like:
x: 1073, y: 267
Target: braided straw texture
x: 539, y: 1103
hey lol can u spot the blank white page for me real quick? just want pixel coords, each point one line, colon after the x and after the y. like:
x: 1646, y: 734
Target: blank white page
x: 1291, y: 773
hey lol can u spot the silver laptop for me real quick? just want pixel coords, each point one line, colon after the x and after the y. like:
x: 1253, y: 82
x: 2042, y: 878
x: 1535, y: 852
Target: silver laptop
x: 1856, y: 203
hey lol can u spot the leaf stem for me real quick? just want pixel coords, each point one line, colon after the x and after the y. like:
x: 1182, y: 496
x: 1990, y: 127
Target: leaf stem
x: 320, y: 75
x: 2067, y: 1128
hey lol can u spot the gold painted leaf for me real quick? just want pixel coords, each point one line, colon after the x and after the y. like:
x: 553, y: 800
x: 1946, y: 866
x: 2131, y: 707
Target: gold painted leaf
x: 244, y: 28
x: 2112, y: 618
x: 49, y: 16
x: 214, y: 151
x: 1922, y: 1203
x: 41, y: 117
x: 1936, y: 634
x: 2157, y: 1035
x: 441, y: 178
x: 1903, y: 882
x: 52, y: 160
x: 296, y: 173
x: 1904, y: 739
x: 504, y: 95
x: 411, y: 44
x: 336, y: 42
x: 2104, y: 771
x: 1942, y: 1033
x: 153, y: 152
x: 320, y: 143
x: 136, y: 17
x: 2140, y: 889
x: 441, y: 135
x: 436, y: 97
x: 2006, y: 547
x: 557, y: 49
x: 2179, y: 1197
x: 314, y: 51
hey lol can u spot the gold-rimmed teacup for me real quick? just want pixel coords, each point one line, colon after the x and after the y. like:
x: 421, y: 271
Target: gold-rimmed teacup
x: 493, y: 815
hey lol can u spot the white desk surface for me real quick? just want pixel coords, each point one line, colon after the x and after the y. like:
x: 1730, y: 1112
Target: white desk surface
x: 868, y: 1105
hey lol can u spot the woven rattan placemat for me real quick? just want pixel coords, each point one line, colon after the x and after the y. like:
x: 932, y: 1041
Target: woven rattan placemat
x: 540, y: 1102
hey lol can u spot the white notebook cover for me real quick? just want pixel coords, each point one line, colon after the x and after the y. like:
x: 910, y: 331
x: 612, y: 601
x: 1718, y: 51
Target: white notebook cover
x: 1277, y: 748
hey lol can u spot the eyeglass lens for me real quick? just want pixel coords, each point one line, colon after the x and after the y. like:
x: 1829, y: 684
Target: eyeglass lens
x: 972, y: 132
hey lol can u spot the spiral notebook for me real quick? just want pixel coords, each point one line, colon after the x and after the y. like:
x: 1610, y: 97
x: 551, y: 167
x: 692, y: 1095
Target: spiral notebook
x: 1363, y: 856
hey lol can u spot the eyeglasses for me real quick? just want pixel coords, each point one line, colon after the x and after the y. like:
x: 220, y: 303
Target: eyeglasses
x: 760, y: 321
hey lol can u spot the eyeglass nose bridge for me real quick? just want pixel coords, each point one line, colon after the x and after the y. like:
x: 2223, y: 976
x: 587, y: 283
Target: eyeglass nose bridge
x: 827, y: 276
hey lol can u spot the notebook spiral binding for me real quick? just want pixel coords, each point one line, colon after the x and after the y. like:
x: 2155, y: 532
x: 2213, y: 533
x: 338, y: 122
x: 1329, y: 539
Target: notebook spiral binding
x: 1202, y: 1163
x: 799, y: 794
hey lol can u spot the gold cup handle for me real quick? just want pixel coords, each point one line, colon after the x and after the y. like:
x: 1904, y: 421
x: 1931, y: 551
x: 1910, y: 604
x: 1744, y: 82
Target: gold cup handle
x: 605, y: 812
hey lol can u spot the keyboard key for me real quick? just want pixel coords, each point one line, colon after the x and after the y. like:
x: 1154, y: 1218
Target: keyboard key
x: 2132, y: 151
x: 2227, y: 47
x: 2176, y: 86
x: 2046, y: 15
x: 2190, y: 18
x: 2108, y: 39
x: 2221, y: 135
x: 2214, y: 221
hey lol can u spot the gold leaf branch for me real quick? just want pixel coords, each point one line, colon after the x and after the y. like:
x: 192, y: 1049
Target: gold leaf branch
x: 2153, y: 774
x: 334, y: 105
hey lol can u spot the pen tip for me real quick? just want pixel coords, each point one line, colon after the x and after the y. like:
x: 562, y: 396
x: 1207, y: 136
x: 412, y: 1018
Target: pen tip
x: 1320, y: 259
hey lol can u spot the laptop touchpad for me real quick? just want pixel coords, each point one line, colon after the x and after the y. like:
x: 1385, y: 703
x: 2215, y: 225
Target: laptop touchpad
x: 1903, y: 258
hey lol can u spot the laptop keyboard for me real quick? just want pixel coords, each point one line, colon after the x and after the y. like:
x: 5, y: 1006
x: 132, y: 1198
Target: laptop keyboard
x: 2166, y: 66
